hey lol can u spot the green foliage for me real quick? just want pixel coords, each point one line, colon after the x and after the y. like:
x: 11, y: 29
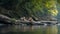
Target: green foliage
x: 37, y: 8
x: 58, y: 1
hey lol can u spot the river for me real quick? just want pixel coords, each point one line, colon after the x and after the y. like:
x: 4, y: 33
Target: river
x: 28, y: 29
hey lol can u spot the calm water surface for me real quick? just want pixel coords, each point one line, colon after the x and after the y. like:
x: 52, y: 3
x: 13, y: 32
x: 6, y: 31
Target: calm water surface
x: 24, y: 29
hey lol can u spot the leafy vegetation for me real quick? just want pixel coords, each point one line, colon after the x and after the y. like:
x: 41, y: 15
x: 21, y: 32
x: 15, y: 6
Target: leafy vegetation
x: 28, y: 8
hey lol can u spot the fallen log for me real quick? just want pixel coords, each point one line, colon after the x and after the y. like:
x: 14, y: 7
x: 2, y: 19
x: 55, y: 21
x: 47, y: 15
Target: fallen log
x: 4, y: 19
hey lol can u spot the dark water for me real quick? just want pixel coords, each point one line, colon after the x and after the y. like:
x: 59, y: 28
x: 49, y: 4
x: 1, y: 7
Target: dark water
x: 35, y: 29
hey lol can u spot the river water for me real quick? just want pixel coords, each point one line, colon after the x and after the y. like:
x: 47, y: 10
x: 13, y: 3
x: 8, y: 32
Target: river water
x: 28, y: 29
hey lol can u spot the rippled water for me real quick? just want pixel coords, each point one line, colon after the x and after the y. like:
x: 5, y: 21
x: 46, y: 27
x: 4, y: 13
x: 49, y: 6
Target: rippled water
x: 27, y: 29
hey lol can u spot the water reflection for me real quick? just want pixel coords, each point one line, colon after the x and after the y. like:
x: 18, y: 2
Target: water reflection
x: 29, y: 29
x: 52, y: 30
